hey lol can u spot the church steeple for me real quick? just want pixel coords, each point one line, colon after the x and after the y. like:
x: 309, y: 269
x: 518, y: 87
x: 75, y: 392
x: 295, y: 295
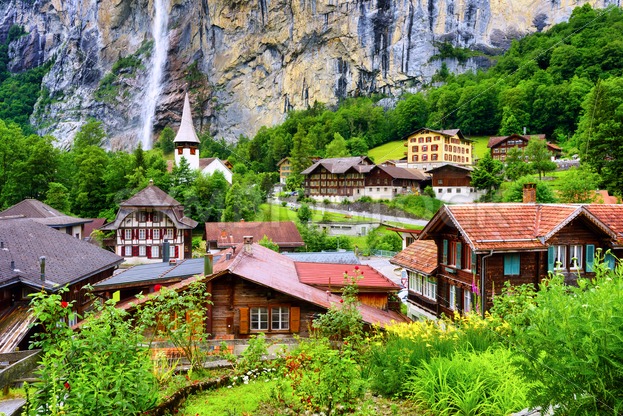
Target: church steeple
x: 186, y: 140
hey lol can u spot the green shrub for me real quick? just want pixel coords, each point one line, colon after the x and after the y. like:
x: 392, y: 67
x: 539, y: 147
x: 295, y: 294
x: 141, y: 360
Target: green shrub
x: 421, y: 206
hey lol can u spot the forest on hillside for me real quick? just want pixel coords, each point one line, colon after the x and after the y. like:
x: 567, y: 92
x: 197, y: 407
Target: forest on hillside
x: 566, y: 83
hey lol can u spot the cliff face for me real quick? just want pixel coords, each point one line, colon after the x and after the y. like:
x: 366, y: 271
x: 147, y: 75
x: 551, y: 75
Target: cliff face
x: 246, y: 63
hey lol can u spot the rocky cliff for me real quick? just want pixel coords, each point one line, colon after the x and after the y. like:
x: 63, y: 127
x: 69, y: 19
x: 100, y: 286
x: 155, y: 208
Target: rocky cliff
x: 245, y: 63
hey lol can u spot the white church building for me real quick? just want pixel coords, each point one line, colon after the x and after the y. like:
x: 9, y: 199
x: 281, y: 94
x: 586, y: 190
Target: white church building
x: 187, y: 147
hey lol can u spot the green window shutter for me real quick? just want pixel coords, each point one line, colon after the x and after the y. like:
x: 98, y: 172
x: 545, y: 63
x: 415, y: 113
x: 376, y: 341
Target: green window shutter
x: 507, y: 265
x: 515, y: 263
x: 590, y: 257
x: 610, y: 261
x: 459, y: 247
x: 511, y: 265
x: 551, y: 258
x: 445, y: 252
x: 474, y: 260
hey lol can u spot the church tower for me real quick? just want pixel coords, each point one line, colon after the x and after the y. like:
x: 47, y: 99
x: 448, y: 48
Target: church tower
x: 186, y: 140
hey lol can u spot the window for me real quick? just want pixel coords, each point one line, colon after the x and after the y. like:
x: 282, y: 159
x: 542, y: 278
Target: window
x: 428, y: 139
x: 142, y: 251
x: 155, y: 234
x: 128, y: 234
x: 172, y: 252
x: 127, y: 252
x: 421, y: 140
x: 155, y: 217
x: 444, y: 258
x: 467, y: 300
x: 423, y: 285
x: 434, y: 148
x: 436, y: 138
x: 458, y: 190
x: 424, y: 158
x: 155, y: 251
x: 142, y: 216
x: 259, y: 319
x: 560, y: 257
x: 280, y: 318
x: 575, y: 257
x: 425, y: 148
x: 511, y: 264
x: 439, y: 181
x: 414, y: 159
x: 415, y: 149
x: 433, y: 156
x: 141, y: 234
x: 169, y: 233
x: 452, y: 298
x: 449, y: 190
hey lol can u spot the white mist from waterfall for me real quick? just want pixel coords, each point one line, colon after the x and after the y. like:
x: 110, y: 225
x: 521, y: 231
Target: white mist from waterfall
x: 158, y: 61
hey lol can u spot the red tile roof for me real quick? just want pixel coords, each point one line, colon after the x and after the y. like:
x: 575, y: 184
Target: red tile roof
x: 267, y: 268
x: 609, y: 214
x: 512, y: 226
x: 226, y: 234
x: 421, y: 256
x: 332, y: 275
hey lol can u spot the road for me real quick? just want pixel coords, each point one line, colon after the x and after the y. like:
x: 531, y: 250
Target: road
x: 366, y: 214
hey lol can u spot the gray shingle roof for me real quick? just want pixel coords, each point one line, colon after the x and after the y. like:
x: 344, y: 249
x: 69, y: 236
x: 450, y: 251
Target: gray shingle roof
x: 152, y: 196
x: 339, y: 257
x: 342, y: 164
x: 68, y: 259
x: 43, y: 213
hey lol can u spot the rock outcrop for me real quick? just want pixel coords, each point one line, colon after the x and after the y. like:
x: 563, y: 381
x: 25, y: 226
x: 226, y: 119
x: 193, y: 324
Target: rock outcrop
x: 247, y: 63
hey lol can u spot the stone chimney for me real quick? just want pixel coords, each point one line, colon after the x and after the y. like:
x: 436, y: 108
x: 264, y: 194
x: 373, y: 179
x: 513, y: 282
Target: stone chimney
x: 248, y: 243
x: 529, y: 193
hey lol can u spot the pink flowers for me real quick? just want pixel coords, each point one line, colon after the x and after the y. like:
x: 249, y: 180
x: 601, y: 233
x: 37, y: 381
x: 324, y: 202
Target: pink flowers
x: 64, y: 304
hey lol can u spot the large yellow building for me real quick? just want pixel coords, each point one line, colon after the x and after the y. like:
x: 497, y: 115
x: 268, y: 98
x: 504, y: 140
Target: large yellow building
x: 428, y: 149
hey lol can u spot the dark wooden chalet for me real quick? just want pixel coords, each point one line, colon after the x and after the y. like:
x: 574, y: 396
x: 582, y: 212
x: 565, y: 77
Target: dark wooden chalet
x: 337, y: 178
x: 500, y: 145
x: 35, y: 257
x: 481, y: 246
x: 387, y: 181
x: 255, y: 289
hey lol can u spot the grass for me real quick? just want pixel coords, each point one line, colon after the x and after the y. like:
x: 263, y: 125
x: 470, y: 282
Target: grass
x: 480, y: 146
x: 271, y: 212
x: 388, y: 151
x: 243, y: 399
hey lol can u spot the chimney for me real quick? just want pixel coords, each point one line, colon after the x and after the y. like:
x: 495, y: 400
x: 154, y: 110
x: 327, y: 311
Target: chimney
x: 524, y: 130
x: 208, y: 264
x: 529, y: 193
x: 42, y: 263
x: 151, y: 182
x: 12, y: 264
x: 165, y: 251
x: 248, y: 243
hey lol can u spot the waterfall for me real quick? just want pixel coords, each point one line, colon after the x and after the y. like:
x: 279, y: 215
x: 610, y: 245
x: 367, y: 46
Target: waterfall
x: 158, y: 61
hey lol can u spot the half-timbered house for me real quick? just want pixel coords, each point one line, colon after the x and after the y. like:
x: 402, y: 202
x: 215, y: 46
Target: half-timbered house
x: 151, y: 226
x: 337, y: 179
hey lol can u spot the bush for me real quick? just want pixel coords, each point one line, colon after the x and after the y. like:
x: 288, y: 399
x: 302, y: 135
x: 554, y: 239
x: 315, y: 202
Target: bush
x: 419, y: 205
x: 365, y: 199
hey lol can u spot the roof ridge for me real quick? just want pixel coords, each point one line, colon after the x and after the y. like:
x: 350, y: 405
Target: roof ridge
x: 537, y: 221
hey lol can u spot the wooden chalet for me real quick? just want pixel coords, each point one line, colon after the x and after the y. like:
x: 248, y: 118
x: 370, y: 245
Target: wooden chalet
x: 500, y: 145
x: 256, y: 290
x: 35, y: 257
x: 337, y: 179
x: 45, y: 214
x: 481, y: 246
x: 221, y: 235
x: 387, y: 181
x: 374, y: 287
x: 452, y: 183
x: 151, y: 226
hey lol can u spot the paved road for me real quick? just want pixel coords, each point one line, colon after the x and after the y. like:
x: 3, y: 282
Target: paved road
x: 366, y: 214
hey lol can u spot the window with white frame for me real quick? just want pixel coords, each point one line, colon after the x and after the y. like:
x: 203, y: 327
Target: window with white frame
x: 280, y: 318
x: 127, y: 251
x: 452, y: 297
x: 172, y: 252
x: 142, y: 216
x: 259, y: 319
x: 141, y: 234
x: 155, y: 251
x: 170, y: 233
x: 467, y: 301
x: 155, y: 217
x: 128, y: 234
x: 560, y: 257
x: 156, y: 234
x: 142, y: 251
x: 429, y: 287
x: 575, y: 257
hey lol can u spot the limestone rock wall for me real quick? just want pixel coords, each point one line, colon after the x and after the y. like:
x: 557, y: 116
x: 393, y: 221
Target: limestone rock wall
x: 248, y: 62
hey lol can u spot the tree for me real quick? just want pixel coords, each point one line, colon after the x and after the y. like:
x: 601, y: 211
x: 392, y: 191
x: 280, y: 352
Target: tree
x: 510, y: 124
x: 302, y: 150
x: 487, y: 175
x: 89, y: 196
x: 237, y: 205
x: 514, y: 193
x: 57, y: 197
x: 337, y: 147
x: 304, y: 213
x: 579, y: 186
x: 539, y: 157
x: 165, y: 141
x: 357, y: 146
x: 268, y: 243
x: 90, y: 134
x: 410, y: 114
x: 600, y: 130
x: 516, y: 165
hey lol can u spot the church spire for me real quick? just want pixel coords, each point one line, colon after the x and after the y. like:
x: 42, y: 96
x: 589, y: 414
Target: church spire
x: 186, y: 133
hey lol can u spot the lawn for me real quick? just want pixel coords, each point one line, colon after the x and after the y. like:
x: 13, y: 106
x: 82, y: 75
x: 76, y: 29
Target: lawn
x: 271, y: 212
x: 480, y: 146
x: 388, y: 151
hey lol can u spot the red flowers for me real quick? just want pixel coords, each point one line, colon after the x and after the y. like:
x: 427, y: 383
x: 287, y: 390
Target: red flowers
x: 356, y: 267
x: 341, y: 300
x: 67, y: 386
x: 157, y: 288
x: 64, y: 304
